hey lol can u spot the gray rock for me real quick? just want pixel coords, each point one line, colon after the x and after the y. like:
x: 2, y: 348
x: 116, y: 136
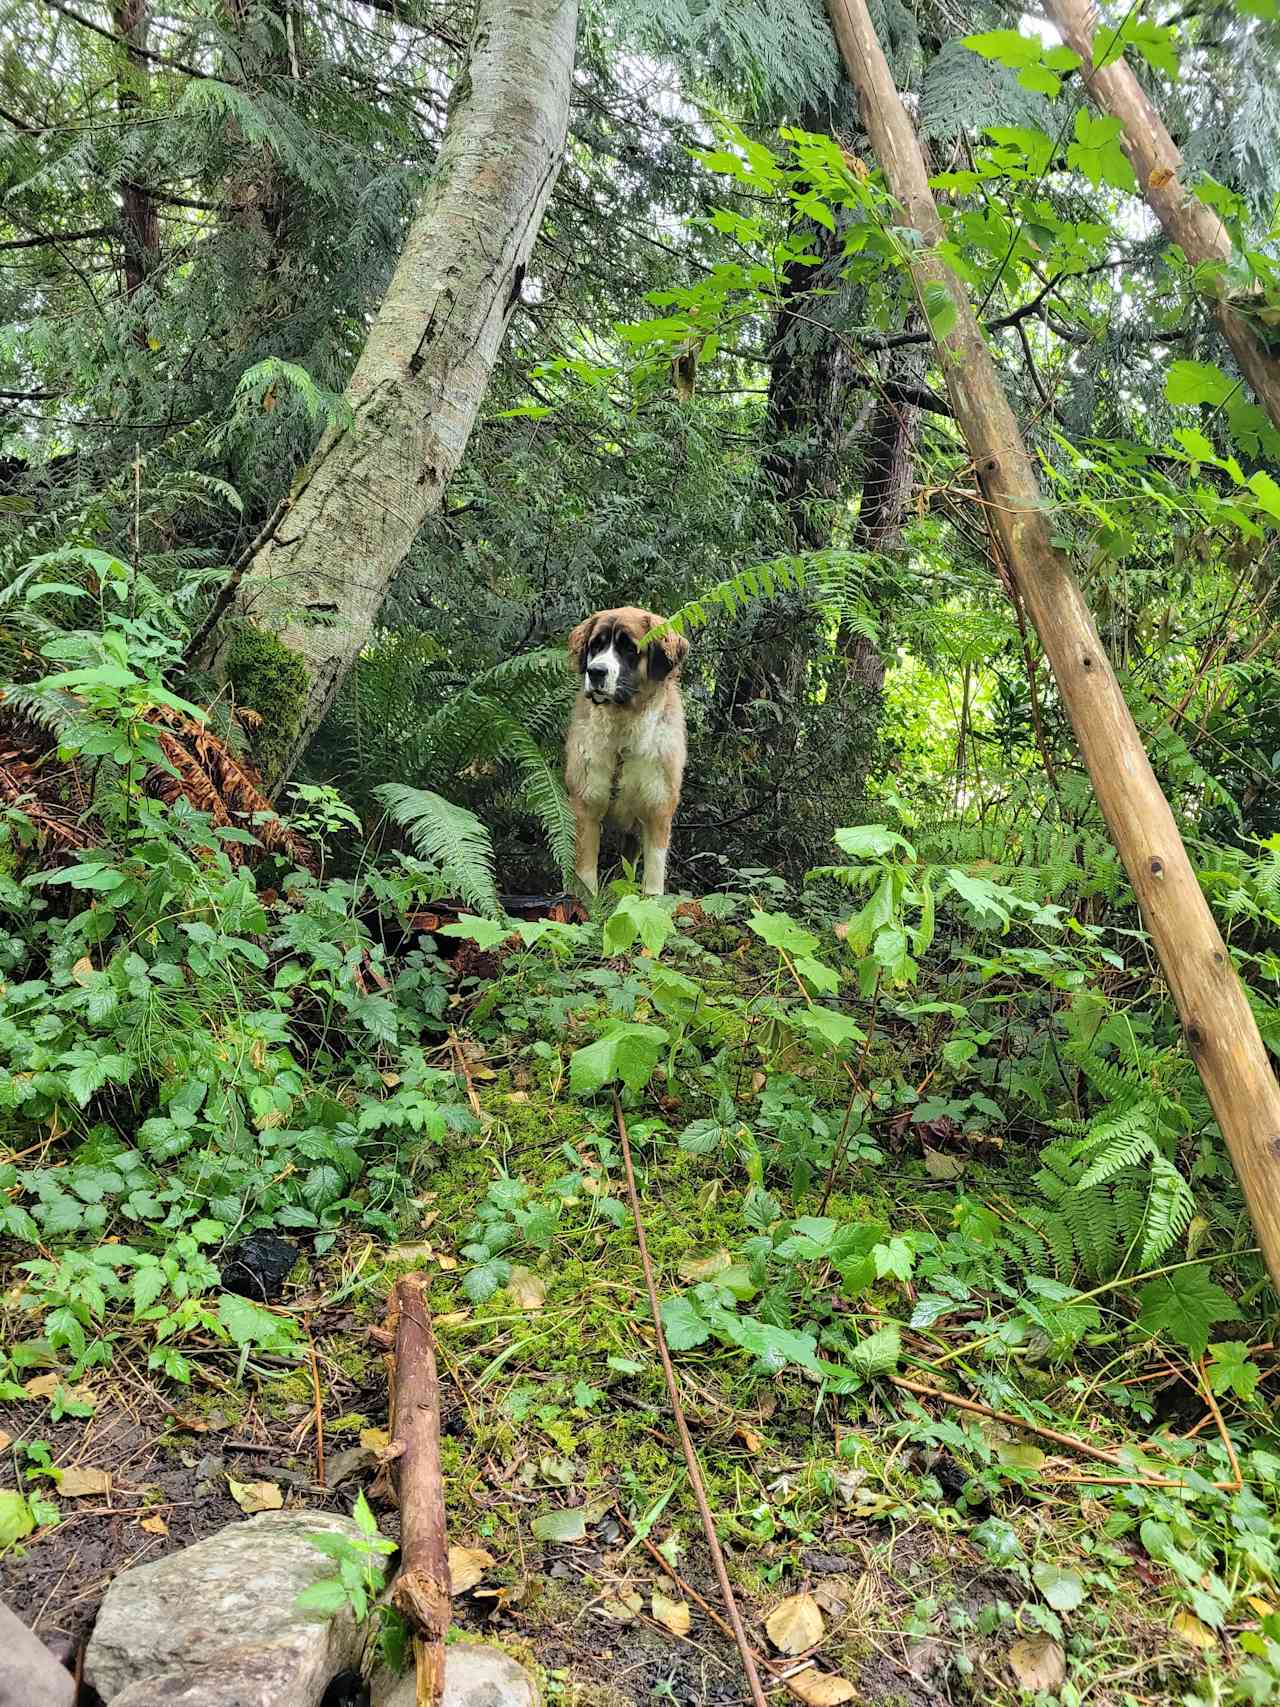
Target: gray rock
x: 215, y: 1625
x: 29, y: 1674
x: 474, y: 1676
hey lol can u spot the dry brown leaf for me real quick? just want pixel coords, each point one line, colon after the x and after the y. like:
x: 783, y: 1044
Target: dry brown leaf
x: 6, y: 1441
x: 448, y: 1264
x: 1038, y: 1663
x: 939, y: 1165
x: 466, y: 1567
x: 622, y: 1609
x: 1188, y: 1628
x: 704, y: 1268
x: 821, y: 1688
x: 154, y: 1526
x: 749, y: 1438
x: 79, y: 1482
x: 795, y: 1624
x: 42, y: 1386
x: 255, y: 1496
x: 374, y: 1439
x: 83, y: 970
x: 1159, y: 176
x: 673, y: 1615
x: 528, y: 1290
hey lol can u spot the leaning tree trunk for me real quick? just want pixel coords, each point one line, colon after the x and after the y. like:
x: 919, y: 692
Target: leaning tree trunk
x: 310, y: 596
x: 1157, y: 161
x: 1217, y: 1022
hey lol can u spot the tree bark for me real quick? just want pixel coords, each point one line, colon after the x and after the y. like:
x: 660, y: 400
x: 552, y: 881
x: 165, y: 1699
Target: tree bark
x: 1157, y: 161
x: 316, y: 585
x: 140, y: 227
x: 1217, y: 1022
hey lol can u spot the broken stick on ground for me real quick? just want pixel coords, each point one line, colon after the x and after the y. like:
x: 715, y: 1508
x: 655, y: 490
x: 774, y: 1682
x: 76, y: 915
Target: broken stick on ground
x: 421, y: 1591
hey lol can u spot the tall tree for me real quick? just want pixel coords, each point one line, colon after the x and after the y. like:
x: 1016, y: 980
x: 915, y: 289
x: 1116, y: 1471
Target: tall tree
x: 1218, y: 1023
x: 309, y: 598
x: 1157, y: 162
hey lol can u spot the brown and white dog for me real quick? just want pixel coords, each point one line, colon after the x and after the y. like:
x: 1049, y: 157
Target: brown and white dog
x: 625, y: 750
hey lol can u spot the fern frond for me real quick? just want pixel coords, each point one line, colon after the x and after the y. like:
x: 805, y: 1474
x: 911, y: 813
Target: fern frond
x: 545, y: 793
x: 450, y: 838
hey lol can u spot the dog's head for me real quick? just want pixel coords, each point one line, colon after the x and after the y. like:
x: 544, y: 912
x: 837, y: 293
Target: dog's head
x: 615, y: 664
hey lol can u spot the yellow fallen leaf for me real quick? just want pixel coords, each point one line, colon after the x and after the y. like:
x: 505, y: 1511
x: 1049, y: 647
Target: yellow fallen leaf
x: 1159, y: 176
x: 1263, y: 1608
x: 749, y: 1438
x: 466, y: 1567
x: 448, y: 1264
x: 1188, y: 1628
x: 154, y: 1526
x: 255, y: 1496
x: 78, y: 1483
x: 83, y: 970
x: 704, y: 1268
x: 623, y: 1608
x: 1038, y: 1663
x: 795, y: 1624
x: 6, y: 1441
x: 821, y: 1688
x: 673, y: 1615
x: 374, y: 1439
x: 528, y: 1290
x: 42, y: 1386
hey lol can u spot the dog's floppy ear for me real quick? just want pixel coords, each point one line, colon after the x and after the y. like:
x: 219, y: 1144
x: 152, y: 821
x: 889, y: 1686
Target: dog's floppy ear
x: 579, y: 640
x: 666, y: 651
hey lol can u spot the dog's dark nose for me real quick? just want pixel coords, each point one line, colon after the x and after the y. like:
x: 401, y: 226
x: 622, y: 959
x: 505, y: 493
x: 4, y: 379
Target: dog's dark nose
x: 596, y: 674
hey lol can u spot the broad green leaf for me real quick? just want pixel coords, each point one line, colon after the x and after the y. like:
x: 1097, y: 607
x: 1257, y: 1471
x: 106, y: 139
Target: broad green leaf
x: 682, y: 1325
x: 1197, y: 382
x: 878, y: 1353
x: 248, y: 1323
x: 1231, y: 1370
x: 485, y: 933
x: 17, y: 1519
x: 568, y: 1525
x: 1184, y: 1304
x: 626, y: 1055
x: 326, y: 1597
x: 940, y: 309
x: 1006, y: 47
x: 1063, y: 1589
x: 825, y: 1025
x: 871, y: 841
x: 640, y: 916
x: 782, y: 932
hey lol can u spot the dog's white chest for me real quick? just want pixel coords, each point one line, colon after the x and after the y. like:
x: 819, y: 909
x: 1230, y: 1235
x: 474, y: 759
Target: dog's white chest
x: 625, y: 761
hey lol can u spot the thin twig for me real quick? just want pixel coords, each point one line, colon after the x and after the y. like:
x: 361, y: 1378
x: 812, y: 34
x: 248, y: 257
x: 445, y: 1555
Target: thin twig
x: 1103, y: 1454
x: 229, y: 587
x: 465, y: 1071
x: 686, y: 1442
x: 1212, y: 1403
x: 319, y: 1404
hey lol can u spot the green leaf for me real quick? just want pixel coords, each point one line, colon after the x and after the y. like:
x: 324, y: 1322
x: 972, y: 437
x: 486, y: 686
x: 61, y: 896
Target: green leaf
x: 682, y: 1326
x: 640, y: 916
x: 16, y: 1518
x: 1184, y: 1305
x: 878, y: 1353
x: 485, y: 933
x: 1197, y: 382
x: 626, y: 1055
x: 940, y: 309
x: 1006, y: 47
x: 1064, y: 1590
x: 871, y: 841
x: 1040, y: 80
x: 1096, y: 152
x: 825, y: 1025
x: 782, y: 932
x: 568, y: 1525
x: 1266, y: 492
x: 1231, y: 1371
x: 326, y: 1597
x: 248, y: 1324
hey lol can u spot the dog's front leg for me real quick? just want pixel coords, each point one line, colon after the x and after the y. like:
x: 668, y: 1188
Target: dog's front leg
x: 657, y: 839
x: 586, y: 861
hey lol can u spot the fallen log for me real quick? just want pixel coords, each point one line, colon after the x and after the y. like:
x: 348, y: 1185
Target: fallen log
x: 421, y: 1590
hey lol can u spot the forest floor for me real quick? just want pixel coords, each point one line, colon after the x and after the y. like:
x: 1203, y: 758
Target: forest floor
x: 948, y: 1556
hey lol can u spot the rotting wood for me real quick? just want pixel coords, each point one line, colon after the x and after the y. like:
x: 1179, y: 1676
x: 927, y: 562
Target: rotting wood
x: 677, y: 1409
x: 1157, y: 163
x: 421, y: 1590
x: 1217, y: 1022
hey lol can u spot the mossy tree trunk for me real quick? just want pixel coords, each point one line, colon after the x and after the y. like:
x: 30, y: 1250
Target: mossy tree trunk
x: 1218, y: 1025
x: 309, y: 598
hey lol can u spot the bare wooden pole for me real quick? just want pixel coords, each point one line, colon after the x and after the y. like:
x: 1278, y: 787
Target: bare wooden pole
x: 1157, y: 162
x: 1217, y: 1022
x: 421, y: 1590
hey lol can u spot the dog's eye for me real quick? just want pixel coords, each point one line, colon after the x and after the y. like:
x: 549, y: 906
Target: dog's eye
x: 627, y: 646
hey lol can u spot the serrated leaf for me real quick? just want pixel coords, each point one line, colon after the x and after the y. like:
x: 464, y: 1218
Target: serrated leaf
x: 682, y: 1326
x: 1006, y: 47
x: 562, y: 1526
x: 940, y: 309
x: 1193, y: 383
x: 795, y: 1624
x: 1184, y: 1304
x: 782, y: 932
x: 626, y: 1055
x: 248, y: 1323
x: 467, y: 1565
x: 325, y: 1597
x: 255, y: 1496
x: 17, y: 1519
x: 673, y: 1615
